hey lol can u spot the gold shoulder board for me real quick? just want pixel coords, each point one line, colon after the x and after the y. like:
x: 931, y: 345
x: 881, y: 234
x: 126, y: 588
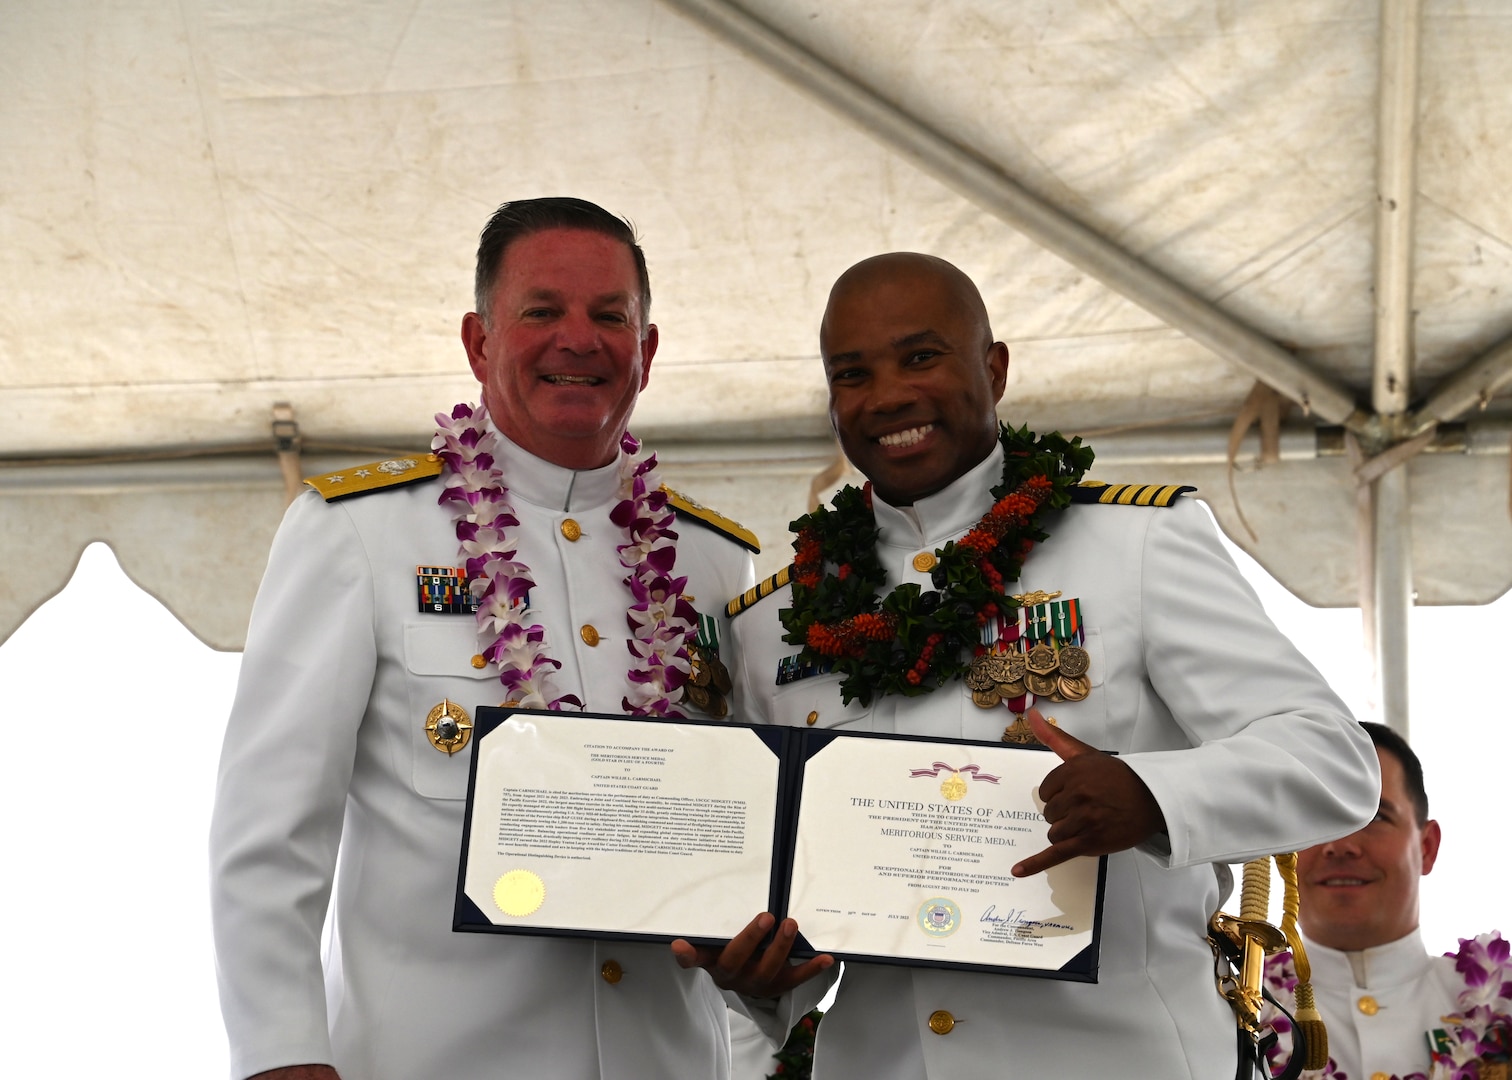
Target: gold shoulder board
x: 376, y: 476
x: 1095, y: 491
x: 765, y: 588
x: 713, y: 519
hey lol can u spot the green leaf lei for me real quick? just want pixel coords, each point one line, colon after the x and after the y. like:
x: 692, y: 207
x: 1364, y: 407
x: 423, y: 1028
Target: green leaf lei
x: 911, y: 641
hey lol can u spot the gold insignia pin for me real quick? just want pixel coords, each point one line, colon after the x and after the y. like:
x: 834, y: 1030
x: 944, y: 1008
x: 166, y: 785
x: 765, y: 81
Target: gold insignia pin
x: 448, y: 727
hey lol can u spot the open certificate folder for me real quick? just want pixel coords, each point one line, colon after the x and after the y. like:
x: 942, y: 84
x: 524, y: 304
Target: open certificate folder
x: 885, y: 849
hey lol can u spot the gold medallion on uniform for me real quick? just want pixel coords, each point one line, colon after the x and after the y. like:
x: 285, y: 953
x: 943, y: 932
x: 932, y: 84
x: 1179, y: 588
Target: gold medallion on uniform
x: 448, y: 727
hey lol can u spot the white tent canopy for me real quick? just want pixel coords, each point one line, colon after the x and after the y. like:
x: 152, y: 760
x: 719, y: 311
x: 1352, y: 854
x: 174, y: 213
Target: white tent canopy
x: 211, y: 207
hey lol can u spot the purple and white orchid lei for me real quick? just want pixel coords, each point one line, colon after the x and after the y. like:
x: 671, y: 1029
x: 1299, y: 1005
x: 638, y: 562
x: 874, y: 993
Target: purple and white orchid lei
x: 1479, y: 1034
x: 662, y: 623
x: 1481, y: 1031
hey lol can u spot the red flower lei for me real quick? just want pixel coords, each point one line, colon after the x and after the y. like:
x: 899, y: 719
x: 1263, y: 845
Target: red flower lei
x: 911, y: 641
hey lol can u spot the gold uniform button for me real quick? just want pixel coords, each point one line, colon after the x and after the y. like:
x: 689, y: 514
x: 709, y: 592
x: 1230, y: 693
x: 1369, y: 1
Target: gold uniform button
x: 941, y: 1022
x: 612, y: 972
x: 924, y: 562
x: 590, y: 635
x: 571, y: 530
x: 1369, y: 1006
x: 813, y: 718
x: 479, y: 661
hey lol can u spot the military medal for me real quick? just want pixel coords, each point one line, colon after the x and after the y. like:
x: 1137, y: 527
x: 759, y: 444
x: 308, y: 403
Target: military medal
x: 1058, y: 663
x: 979, y: 678
x: 987, y: 668
x: 1054, y: 668
x: 1041, y: 685
x: 954, y: 788
x: 1041, y: 660
x: 448, y: 727
x: 709, y: 681
x: 1074, y: 661
x: 997, y: 673
x: 720, y: 676
x: 1019, y: 733
x: 700, y: 675
x: 1074, y: 687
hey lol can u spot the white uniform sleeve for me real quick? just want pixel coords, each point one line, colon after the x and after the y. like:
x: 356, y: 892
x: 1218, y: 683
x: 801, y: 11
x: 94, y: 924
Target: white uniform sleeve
x: 282, y: 788
x: 1275, y: 761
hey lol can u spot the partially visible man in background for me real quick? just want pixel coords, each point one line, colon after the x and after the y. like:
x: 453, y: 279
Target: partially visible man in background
x: 1384, y: 999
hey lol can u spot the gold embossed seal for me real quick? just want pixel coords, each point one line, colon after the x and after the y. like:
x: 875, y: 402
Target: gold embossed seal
x: 519, y: 893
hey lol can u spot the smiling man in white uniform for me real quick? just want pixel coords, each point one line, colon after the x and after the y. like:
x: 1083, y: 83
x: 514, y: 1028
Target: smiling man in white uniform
x: 1383, y: 998
x: 365, y: 660
x: 1229, y: 743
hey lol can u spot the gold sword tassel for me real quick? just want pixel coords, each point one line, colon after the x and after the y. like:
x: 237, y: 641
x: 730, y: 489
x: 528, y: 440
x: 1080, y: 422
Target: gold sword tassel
x: 1309, y: 1020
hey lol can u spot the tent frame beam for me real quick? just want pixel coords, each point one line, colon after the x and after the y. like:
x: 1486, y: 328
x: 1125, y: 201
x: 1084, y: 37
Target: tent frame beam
x: 1388, y: 577
x: 1396, y: 178
x: 1471, y: 387
x: 1052, y: 229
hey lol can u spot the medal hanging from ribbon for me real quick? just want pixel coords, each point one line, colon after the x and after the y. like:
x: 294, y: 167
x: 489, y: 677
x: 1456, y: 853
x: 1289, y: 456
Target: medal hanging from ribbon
x: 998, y: 668
x: 1034, y: 652
x: 709, y: 683
x: 1072, y: 660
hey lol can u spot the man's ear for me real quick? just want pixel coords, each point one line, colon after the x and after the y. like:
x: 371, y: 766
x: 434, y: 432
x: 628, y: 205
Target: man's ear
x: 474, y: 334
x: 997, y: 369
x: 1431, y: 839
x: 648, y: 350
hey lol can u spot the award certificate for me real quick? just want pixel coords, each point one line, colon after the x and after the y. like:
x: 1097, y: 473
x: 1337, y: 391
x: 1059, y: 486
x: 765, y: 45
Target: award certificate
x: 619, y: 827
x: 885, y: 849
x: 903, y: 849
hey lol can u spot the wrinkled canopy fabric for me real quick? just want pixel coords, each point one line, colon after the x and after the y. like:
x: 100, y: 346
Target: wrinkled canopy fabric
x: 210, y: 207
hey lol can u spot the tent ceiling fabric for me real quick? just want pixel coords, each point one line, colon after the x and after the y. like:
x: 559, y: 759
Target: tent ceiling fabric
x: 211, y: 206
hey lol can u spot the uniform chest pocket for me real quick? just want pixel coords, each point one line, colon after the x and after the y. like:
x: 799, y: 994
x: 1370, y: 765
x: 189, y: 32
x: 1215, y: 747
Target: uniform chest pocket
x: 438, y: 656
x: 445, y: 646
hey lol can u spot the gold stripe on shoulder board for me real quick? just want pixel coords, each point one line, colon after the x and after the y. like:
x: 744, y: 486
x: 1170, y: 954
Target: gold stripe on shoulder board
x: 764, y: 589
x: 375, y: 476
x: 712, y: 518
x: 1162, y: 495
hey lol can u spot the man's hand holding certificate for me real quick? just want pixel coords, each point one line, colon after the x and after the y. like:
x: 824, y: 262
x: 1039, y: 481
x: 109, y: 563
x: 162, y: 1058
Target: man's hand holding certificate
x: 743, y: 966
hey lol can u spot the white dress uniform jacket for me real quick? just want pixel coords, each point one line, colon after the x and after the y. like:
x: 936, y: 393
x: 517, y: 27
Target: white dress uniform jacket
x: 1381, y: 1006
x: 1243, y: 745
x: 326, y: 752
